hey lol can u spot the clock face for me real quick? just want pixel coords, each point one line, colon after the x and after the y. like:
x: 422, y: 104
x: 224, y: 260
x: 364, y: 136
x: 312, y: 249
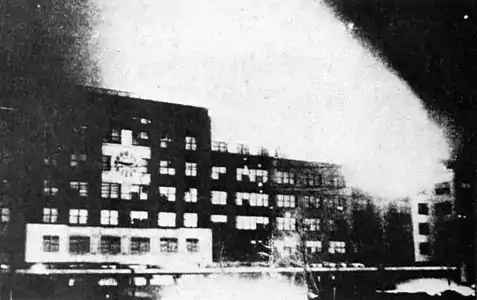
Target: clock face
x: 126, y: 164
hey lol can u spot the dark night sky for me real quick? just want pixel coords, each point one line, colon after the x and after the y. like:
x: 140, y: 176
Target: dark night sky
x: 430, y: 44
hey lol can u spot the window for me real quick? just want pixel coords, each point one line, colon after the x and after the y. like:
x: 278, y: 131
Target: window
x: 254, y: 199
x: 313, y: 247
x: 216, y: 171
x: 49, y: 188
x: 190, y: 143
x: 286, y: 223
x: 115, y: 135
x: 51, y: 243
x: 134, y: 191
x: 424, y: 248
x: 424, y: 228
x: 332, y: 225
x: 311, y: 201
x: 168, y: 192
x: 110, y: 244
x: 75, y: 159
x: 192, y: 245
x: 143, y: 135
x: 250, y: 222
x: 191, y: 169
x: 79, y: 244
x: 165, y: 168
x: 219, y: 146
x: 190, y: 220
x: 50, y: 161
x: 443, y: 189
x: 109, y: 217
x: 109, y: 190
x: 285, y: 200
x: 253, y: 175
x: 443, y: 209
x: 106, y: 162
x: 284, y: 177
x: 140, y: 245
x: 140, y: 136
x: 143, y: 121
x: 138, y: 217
x: 243, y: 149
x: 169, y: 245
x: 166, y: 219
x: 191, y: 196
x: 50, y: 215
x: 81, y: 187
x: 4, y: 214
x: 78, y: 216
x: 165, y: 141
x: 337, y: 247
x: 312, y: 224
x: 218, y: 218
x: 423, y: 209
x: 219, y: 198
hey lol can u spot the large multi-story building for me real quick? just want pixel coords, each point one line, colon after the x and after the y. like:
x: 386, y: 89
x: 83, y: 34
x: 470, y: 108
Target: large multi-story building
x: 140, y: 182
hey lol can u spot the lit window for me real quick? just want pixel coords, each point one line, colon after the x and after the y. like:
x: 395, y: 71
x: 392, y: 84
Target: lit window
x: 190, y: 220
x: 190, y: 143
x: 140, y: 245
x: 169, y: 245
x: 286, y: 223
x: 135, y: 192
x: 49, y: 188
x: 50, y: 161
x: 332, y: 225
x: 50, y: 215
x: 51, y: 243
x: 75, y: 159
x: 284, y: 177
x: 191, y: 169
x: 218, y: 218
x: 115, y: 135
x: 5, y: 214
x: 166, y: 219
x: 313, y: 247
x: 192, y: 245
x: 78, y: 216
x: 165, y: 168
x: 285, y: 200
x: 337, y: 247
x: 109, y: 217
x: 258, y: 199
x: 168, y: 192
x: 250, y: 222
x: 143, y: 135
x: 138, y: 217
x: 312, y: 224
x: 216, y: 171
x: 79, y: 244
x: 109, y: 190
x: 219, y: 146
x: 81, y: 187
x: 239, y: 197
x: 110, y: 245
x: 191, y: 195
x: 165, y: 141
x: 219, y: 198
x: 311, y: 201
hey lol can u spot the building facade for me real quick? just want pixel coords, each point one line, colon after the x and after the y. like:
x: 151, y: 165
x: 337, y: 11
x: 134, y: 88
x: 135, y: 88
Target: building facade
x: 136, y: 181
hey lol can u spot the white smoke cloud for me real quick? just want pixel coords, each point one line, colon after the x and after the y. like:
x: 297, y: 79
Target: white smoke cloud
x: 276, y: 73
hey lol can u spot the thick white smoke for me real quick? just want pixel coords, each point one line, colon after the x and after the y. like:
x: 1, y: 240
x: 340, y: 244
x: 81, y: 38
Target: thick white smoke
x: 277, y: 73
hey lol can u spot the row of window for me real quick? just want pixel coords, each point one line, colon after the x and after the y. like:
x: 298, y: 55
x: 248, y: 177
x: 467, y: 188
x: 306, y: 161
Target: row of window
x: 125, y: 136
x: 111, y: 245
x: 111, y: 217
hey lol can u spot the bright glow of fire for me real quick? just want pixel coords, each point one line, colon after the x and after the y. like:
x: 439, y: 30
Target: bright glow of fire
x: 282, y: 74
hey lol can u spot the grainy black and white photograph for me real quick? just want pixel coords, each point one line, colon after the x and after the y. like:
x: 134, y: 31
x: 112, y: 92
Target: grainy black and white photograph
x: 238, y: 149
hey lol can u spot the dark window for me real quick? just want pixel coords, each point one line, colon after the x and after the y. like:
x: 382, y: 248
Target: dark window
x: 423, y: 209
x: 110, y: 245
x: 140, y: 245
x: 424, y: 249
x: 116, y: 136
x: 79, y: 244
x: 51, y: 243
x: 443, y: 209
x: 192, y: 245
x: 169, y: 245
x: 424, y: 228
x: 443, y: 189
